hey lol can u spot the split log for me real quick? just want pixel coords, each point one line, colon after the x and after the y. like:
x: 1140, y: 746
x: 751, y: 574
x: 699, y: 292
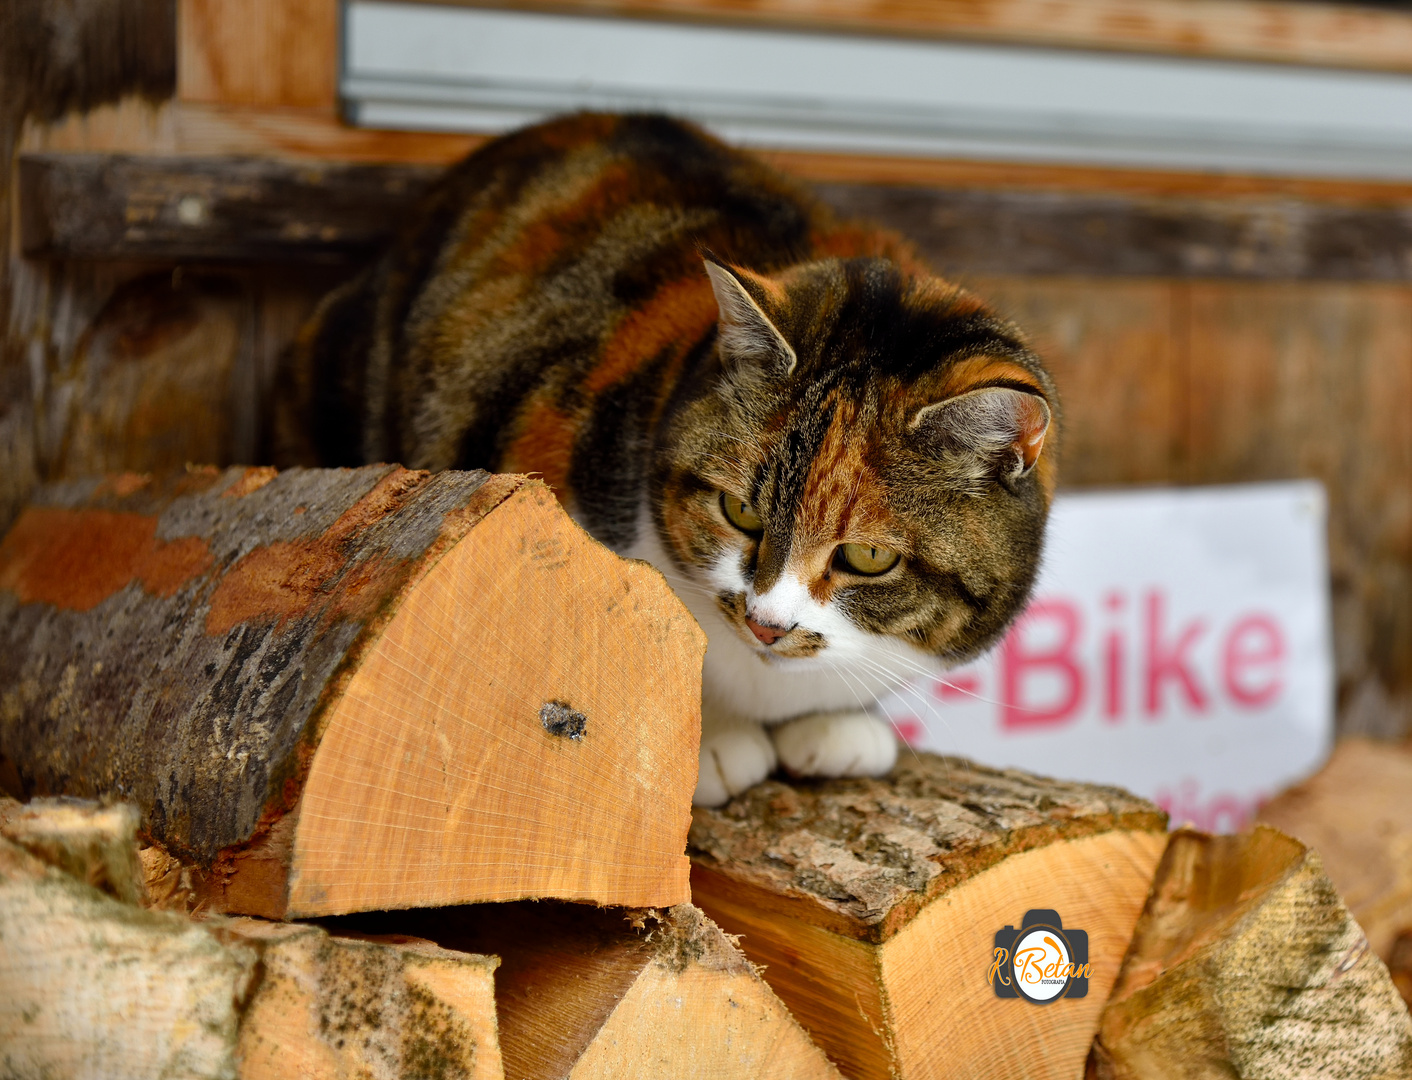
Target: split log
x: 91, y: 987
x: 1246, y: 963
x: 878, y: 907
x: 333, y: 1007
x: 1357, y: 814
x: 1399, y: 965
x: 589, y: 994
x: 340, y: 690
x: 96, y: 844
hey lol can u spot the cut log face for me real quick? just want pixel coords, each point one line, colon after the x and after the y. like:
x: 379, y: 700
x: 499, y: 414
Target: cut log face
x: 1246, y: 963
x: 1357, y: 814
x: 583, y: 994
x: 876, y: 907
x: 337, y: 690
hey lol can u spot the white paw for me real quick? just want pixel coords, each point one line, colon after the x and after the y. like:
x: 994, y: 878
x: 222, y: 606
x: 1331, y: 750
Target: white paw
x: 836, y: 744
x: 732, y: 759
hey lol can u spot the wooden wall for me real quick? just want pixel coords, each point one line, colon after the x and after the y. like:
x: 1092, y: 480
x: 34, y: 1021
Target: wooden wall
x: 1211, y: 359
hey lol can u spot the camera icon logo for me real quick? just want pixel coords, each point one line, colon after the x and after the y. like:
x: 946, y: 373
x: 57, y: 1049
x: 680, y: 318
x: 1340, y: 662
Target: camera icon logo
x: 1040, y: 962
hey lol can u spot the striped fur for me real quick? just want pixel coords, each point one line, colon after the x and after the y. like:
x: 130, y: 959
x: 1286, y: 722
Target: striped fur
x: 549, y: 311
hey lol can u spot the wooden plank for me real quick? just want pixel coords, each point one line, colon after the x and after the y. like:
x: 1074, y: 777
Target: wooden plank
x: 247, y: 209
x: 1112, y: 347
x: 1305, y: 379
x: 280, y: 53
x: 228, y: 209
x: 1031, y: 232
x: 1330, y: 34
x: 136, y: 126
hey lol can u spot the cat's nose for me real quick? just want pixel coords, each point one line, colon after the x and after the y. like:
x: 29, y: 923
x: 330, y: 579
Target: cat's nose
x: 767, y: 634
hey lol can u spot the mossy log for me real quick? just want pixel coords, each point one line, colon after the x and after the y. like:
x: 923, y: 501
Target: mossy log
x: 592, y: 994
x: 877, y: 907
x: 340, y: 690
x: 1245, y: 963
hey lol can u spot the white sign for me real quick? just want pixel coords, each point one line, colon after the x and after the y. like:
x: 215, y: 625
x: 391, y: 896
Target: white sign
x: 1177, y: 645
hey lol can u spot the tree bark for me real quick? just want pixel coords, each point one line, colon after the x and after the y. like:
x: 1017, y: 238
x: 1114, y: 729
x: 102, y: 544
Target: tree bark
x: 1245, y: 963
x: 875, y: 904
x: 336, y: 690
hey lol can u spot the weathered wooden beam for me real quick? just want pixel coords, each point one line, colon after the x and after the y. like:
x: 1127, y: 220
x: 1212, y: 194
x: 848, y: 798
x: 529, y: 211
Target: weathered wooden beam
x: 1039, y: 232
x: 336, y: 690
x: 227, y: 209
x: 877, y: 907
x: 90, y: 206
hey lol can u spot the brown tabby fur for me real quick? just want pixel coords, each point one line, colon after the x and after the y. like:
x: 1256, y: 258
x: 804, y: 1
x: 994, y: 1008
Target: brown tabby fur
x: 547, y: 311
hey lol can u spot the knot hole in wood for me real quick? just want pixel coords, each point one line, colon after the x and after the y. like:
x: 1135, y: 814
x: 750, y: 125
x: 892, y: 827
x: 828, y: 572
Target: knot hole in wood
x: 559, y: 719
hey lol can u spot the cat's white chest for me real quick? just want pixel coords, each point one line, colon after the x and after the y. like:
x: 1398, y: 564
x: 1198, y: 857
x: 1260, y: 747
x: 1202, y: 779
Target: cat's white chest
x: 738, y: 683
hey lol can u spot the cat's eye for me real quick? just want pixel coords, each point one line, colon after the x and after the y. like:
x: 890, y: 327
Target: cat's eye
x: 741, y: 514
x: 868, y: 559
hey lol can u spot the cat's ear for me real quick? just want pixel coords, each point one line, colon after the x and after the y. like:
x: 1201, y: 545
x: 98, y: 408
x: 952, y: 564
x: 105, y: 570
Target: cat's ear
x: 746, y: 332
x: 994, y: 431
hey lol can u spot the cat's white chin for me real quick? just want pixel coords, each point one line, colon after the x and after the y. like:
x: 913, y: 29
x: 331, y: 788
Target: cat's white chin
x: 852, y: 671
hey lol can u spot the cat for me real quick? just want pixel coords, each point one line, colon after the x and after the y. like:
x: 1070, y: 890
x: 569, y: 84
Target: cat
x: 837, y: 459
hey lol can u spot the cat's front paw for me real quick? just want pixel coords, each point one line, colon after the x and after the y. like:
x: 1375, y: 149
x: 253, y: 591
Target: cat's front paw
x: 836, y: 744
x: 732, y: 759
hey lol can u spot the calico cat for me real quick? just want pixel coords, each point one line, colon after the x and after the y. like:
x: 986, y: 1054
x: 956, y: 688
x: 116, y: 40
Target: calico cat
x: 837, y: 459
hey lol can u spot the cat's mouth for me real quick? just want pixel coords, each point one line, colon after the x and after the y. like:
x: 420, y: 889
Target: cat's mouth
x: 769, y: 643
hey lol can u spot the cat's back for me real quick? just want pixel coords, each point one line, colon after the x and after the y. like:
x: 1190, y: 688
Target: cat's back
x: 540, y: 278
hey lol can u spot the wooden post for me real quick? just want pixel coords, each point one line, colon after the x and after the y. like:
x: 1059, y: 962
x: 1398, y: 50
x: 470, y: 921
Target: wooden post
x: 1246, y: 963
x: 591, y: 994
x: 341, y: 690
x: 876, y: 907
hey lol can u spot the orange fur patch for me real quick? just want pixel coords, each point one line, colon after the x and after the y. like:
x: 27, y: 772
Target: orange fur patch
x: 843, y: 502
x: 982, y: 371
x: 545, y: 445
x: 680, y: 312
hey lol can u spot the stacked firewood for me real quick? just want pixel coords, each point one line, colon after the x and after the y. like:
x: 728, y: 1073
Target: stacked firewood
x: 431, y: 714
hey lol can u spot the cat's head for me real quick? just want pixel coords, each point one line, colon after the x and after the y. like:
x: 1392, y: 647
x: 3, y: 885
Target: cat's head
x: 871, y: 458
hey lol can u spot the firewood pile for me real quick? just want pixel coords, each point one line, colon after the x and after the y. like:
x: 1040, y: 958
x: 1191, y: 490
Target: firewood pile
x: 372, y: 773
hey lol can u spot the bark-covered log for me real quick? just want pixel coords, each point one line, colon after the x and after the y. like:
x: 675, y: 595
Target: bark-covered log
x: 1245, y: 963
x: 877, y: 907
x: 585, y: 994
x: 91, y: 987
x: 1357, y: 814
x: 338, y: 690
